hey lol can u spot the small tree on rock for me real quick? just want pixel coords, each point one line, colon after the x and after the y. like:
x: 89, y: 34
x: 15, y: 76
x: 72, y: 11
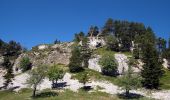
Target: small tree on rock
x: 129, y: 80
x: 55, y: 73
x: 36, y: 77
x: 25, y: 64
x: 109, y: 65
x: 84, y: 78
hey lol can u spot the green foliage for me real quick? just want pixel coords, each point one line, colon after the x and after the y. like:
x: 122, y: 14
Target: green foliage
x: 36, y: 77
x: 152, y: 68
x: 79, y: 37
x: 84, y: 78
x: 112, y: 43
x: 165, y: 80
x: 108, y: 27
x: 129, y: 80
x: 9, y: 74
x: 57, y: 41
x: 54, y: 73
x: 75, y: 64
x: 25, y: 64
x: 109, y: 65
x: 94, y: 31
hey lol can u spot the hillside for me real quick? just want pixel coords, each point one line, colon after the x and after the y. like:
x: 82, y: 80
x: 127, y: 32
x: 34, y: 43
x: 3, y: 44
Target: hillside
x: 124, y: 60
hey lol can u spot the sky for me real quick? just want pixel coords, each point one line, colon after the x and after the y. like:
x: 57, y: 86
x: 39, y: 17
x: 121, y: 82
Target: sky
x: 33, y: 22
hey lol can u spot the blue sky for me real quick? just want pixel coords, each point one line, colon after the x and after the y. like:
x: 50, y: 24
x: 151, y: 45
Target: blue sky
x: 33, y: 22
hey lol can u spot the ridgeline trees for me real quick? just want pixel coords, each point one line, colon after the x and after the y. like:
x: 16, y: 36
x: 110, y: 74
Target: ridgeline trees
x: 109, y: 65
x: 36, y: 77
x: 54, y: 73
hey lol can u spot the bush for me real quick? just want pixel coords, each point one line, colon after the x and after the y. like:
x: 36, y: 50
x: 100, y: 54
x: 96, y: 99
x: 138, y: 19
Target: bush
x: 109, y: 65
x: 25, y: 64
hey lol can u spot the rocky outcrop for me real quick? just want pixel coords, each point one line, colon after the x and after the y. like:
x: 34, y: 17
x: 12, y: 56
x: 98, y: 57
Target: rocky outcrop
x: 93, y: 63
x: 46, y: 54
x: 95, y: 42
x: 1, y: 61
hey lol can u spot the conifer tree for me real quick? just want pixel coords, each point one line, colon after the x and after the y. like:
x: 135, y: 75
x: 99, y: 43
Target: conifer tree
x: 152, y: 68
x: 9, y: 74
x: 75, y: 64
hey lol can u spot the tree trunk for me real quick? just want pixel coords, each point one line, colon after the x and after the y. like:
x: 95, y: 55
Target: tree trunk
x: 53, y: 85
x: 34, y: 91
x: 127, y: 92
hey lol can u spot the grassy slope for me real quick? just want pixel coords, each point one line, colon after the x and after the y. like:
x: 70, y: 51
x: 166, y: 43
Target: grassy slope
x: 66, y: 95
x: 165, y: 80
x: 94, y: 75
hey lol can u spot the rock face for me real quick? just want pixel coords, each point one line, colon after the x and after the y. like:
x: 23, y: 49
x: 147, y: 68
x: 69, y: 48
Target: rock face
x: 93, y: 63
x: 48, y: 55
x: 122, y: 62
x: 95, y: 42
x: 166, y: 63
x: 1, y: 61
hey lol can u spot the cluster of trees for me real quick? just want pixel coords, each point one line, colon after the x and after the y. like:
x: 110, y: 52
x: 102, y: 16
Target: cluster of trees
x: 38, y: 74
x: 10, y: 51
x: 122, y: 36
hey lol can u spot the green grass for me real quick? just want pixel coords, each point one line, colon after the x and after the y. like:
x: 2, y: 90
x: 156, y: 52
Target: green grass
x: 94, y: 75
x: 103, y: 51
x: 165, y: 80
x: 65, y: 95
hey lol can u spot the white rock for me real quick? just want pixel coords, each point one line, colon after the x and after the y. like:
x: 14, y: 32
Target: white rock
x: 122, y: 62
x: 93, y: 64
x: 165, y: 63
x: 42, y: 47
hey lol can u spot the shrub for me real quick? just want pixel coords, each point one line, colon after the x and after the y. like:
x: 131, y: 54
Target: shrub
x: 109, y: 65
x: 25, y: 64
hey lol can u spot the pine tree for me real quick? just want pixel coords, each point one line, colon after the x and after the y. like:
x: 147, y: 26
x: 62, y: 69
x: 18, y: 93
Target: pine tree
x: 109, y: 27
x: 9, y: 74
x: 152, y: 68
x: 75, y: 64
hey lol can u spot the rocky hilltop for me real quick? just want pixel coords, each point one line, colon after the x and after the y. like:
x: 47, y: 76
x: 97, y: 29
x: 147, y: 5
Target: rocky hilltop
x: 47, y: 54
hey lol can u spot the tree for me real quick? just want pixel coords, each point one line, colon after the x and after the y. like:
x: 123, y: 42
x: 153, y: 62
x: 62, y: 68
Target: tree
x: 161, y: 44
x: 75, y: 64
x: 112, y: 43
x: 108, y: 27
x: 152, y: 68
x: 94, y: 31
x: 25, y: 64
x: 36, y: 77
x: 57, y: 41
x: 84, y: 78
x: 79, y: 37
x: 129, y: 80
x: 55, y: 73
x: 109, y: 66
x: 9, y: 74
